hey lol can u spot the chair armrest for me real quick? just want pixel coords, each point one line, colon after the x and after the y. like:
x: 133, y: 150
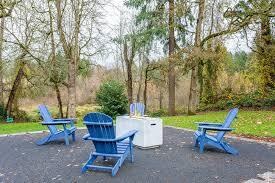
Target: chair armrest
x: 216, y: 128
x: 125, y: 136
x: 97, y: 123
x: 86, y: 137
x: 65, y: 119
x: 55, y: 123
x: 210, y: 124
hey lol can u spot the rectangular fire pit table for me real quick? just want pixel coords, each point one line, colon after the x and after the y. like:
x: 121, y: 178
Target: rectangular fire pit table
x: 150, y: 132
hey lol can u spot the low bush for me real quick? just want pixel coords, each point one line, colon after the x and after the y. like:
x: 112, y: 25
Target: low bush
x: 2, y: 113
x: 111, y: 98
x: 23, y: 116
x: 164, y: 112
x: 252, y: 100
x: 158, y: 113
x: 81, y: 111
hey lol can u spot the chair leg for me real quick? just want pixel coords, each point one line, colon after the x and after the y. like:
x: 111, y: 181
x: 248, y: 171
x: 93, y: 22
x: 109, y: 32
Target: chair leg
x: 196, y: 142
x: 66, y: 138
x: 89, y: 162
x: 229, y: 149
x: 116, y: 167
x: 73, y: 136
x: 202, y: 139
x: 131, y: 152
x: 43, y: 140
x: 201, y: 145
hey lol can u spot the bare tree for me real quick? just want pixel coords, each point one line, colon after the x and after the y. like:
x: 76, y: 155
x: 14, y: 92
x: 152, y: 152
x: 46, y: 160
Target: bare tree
x: 6, y: 8
x: 140, y: 79
x: 22, y: 39
x: 54, y: 76
x: 16, y: 84
x: 146, y: 79
x: 193, y: 94
x: 129, y: 54
x: 70, y: 46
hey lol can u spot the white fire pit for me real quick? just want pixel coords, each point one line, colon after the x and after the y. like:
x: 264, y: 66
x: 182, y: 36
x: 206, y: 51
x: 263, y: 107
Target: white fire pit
x: 149, y: 133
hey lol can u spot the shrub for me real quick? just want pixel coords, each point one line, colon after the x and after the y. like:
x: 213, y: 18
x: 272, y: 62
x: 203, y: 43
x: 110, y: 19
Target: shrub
x: 20, y: 115
x: 158, y: 113
x: 251, y: 100
x: 111, y: 98
x: 33, y: 116
x: 2, y: 113
x: 83, y: 110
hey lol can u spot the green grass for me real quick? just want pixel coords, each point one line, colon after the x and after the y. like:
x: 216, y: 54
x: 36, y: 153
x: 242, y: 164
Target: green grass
x: 258, y: 123
x: 11, y: 128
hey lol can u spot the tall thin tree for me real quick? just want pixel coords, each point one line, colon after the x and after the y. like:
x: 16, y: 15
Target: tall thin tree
x: 171, y: 65
x: 193, y: 92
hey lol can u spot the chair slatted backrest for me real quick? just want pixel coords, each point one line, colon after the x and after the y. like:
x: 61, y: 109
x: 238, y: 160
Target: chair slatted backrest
x: 137, y: 107
x: 101, y: 126
x: 232, y: 114
x: 46, y: 115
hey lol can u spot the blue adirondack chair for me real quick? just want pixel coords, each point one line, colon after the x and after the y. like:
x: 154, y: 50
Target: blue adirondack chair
x: 51, y: 123
x: 217, y: 141
x: 102, y: 133
x: 137, y: 108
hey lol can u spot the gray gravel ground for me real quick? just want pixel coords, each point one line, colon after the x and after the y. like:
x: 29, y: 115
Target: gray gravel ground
x: 21, y: 160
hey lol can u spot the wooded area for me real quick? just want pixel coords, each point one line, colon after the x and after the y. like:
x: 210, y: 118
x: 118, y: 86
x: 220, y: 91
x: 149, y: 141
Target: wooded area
x: 171, y: 54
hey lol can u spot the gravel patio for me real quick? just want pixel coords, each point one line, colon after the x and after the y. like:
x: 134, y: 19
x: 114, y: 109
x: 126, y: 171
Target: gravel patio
x: 22, y: 160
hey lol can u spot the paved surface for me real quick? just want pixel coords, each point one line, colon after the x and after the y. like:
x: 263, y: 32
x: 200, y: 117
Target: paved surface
x: 175, y: 161
x: 267, y: 177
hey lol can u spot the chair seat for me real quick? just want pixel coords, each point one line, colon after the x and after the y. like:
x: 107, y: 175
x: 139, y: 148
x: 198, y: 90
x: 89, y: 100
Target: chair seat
x: 122, y: 147
x: 199, y: 133
x: 70, y: 130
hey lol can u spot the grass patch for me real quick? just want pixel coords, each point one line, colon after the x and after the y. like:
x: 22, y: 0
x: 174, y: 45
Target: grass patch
x: 20, y: 127
x: 257, y: 123
x: 11, y: 128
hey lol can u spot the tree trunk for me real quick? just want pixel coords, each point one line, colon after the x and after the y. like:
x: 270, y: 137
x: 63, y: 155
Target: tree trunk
x: 193, y: 92
x: 145, y: 87
x: 171, y: 67
x: 140, y: 83
x: 67, y: 110
x: 160, y: 99
x: 72, y: 88
x: 1, y: 62
x: 71, y: 50
x: 192, y: 99
x: 139, y: 90
x: 129, y: 83
x: 54, y: 75
x: 14, y: 89
x: 59, y: 100
x: 129, y: 72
